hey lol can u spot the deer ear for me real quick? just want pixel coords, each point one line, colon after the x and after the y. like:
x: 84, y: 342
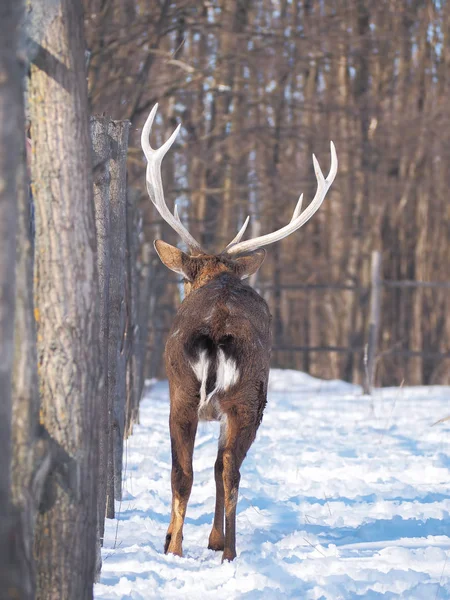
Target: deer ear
x: 247, y: 264
x: 174, y: 258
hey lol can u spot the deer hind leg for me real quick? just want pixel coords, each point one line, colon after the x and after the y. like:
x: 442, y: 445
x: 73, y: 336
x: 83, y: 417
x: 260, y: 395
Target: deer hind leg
x: 217, y: 536
x: 239, y: 438
x: 182, y: 437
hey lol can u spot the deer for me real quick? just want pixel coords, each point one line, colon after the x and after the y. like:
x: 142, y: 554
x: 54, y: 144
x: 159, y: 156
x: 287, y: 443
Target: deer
x: 217, y: 355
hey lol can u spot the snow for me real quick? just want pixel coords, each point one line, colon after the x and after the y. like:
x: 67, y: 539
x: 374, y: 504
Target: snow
x: 342, y: 496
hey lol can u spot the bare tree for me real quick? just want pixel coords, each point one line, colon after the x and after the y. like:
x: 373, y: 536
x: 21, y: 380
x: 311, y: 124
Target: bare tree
x: 66, y: 308
x: 31, y: 457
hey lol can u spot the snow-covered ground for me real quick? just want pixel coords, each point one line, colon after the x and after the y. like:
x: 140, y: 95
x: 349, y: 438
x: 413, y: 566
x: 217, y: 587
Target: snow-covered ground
x: 337, y: 501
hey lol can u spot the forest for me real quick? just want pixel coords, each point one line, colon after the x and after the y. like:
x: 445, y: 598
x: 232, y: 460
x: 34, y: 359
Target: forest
x: 258, y: 86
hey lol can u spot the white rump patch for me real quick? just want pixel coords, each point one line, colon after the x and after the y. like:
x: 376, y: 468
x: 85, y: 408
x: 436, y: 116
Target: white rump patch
x: 201, y: 372
x: 227, y: 374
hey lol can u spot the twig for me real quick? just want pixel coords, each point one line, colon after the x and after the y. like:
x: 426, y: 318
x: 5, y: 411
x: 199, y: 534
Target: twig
x: 441, y: 421
x: 440, y: 579
x: 315, y: 548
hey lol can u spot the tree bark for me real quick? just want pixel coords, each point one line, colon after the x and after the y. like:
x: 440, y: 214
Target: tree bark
x: 31, y: 458
x: 12, y: 173
x: 67, y: 309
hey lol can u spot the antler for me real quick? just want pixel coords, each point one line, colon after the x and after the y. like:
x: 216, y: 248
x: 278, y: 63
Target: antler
x: 154, y: 182
x: 298, y: 218
x: 239, y: 234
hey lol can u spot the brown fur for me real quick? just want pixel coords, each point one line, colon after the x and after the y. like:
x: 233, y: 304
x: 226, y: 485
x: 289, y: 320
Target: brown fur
x: 221, y: 313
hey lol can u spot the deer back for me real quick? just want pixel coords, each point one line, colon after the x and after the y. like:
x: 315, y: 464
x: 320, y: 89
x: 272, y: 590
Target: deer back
x: 220, y: 339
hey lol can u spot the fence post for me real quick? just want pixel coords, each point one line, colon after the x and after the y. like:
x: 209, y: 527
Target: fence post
x: 134, y: 347
x: 146, y: 307
x: 374, y: 321
x: 118, y: 132
x: 101, y: 155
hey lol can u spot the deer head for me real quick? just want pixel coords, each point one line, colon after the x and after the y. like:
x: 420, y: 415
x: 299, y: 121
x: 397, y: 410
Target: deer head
x: 241, y: 258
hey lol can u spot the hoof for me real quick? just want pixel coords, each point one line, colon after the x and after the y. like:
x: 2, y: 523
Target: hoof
x: 228, y: 556
x: 216, y: 540
x: 170, y: 547
x: 215, y: 546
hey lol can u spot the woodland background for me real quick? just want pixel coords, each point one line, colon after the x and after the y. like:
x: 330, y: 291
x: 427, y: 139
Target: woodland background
x: 85, y: 304
x: 260, y: 85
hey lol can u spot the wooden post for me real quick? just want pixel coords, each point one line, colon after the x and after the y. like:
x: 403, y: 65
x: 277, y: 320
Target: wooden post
x: 133, y: 231
x: 117, y: 350
x: 374, y: 321
x: 102, y: 153
x: 146, y: 307
x: 158, y: 285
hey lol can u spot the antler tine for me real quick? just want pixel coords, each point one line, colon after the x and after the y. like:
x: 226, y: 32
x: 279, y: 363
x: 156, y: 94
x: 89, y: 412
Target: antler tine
x: 242, y: 230
x: 298, y: 209
x: 239, y: 235
x: 298, y: 218
x: 154, y: 182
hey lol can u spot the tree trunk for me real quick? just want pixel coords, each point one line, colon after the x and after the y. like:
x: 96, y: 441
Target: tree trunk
x: 11, y: 175
x: 31, y: 458
x: 67, y: 309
